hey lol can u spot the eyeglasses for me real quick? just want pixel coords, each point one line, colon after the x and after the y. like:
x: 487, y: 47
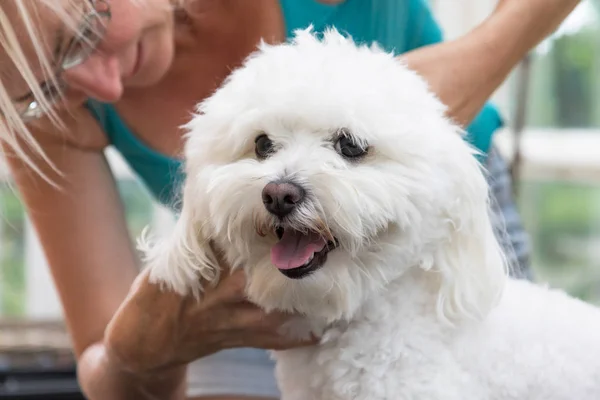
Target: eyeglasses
x: 89, y: 33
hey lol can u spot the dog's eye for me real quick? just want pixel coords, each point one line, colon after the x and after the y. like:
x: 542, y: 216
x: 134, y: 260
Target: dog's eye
x: 347, y: 147
x: 263, y: 146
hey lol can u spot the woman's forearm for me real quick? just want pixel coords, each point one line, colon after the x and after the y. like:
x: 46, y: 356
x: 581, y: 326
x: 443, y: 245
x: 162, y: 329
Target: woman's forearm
x: 517, y: 26
x: 102, y: 379
x: 465, y: 72
x: 532, y: 20
x: 503, y: 40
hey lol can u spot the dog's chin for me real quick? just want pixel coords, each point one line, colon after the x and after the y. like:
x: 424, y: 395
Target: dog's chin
x: 300, y: 253
x: 329, y: 285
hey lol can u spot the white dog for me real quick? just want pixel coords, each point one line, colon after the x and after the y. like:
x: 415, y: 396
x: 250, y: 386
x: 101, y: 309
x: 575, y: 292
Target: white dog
x: 328, y: 171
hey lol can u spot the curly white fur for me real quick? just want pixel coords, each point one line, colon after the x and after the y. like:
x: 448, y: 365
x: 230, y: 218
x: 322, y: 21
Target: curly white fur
x: 415, y: 302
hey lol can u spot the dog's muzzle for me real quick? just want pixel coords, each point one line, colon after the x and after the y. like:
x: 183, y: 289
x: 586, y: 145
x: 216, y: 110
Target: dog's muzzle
x: 297, y: 254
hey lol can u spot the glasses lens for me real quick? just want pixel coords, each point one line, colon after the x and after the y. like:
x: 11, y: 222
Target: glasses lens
x: 91, y: 32
x: 88, y: 37
x: 33, y: 109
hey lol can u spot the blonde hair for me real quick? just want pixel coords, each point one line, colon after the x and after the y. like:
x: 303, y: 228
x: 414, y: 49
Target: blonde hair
x: 14, y: 132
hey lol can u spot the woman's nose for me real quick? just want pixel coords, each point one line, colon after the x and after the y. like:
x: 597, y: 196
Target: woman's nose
x: 98, y: 77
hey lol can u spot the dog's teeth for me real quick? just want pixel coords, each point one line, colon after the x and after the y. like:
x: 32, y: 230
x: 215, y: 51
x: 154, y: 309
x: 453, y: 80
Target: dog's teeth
x: 309, y: 260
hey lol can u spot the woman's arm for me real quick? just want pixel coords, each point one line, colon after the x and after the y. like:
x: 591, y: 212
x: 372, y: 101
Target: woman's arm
x: 84, y: 235
x: 132, y: 339
x: 465, y: 72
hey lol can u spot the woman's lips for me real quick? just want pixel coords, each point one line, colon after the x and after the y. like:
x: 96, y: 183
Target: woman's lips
x: 137, y: 61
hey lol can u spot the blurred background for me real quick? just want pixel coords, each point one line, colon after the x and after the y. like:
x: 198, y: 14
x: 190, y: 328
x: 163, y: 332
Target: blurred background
x: 552, y: 106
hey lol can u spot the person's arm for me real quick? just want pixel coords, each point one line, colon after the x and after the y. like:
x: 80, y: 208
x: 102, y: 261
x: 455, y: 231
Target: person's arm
x: 83, y: 232
x: 132, y: 339
x: 465, y: 72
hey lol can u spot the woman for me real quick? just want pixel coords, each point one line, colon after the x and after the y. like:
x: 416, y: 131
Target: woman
x: 80, y: 75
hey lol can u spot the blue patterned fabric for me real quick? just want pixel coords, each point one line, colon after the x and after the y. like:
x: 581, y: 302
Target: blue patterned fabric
x: 505, y: 217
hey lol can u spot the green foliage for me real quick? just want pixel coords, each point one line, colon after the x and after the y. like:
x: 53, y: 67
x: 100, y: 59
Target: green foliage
x: 12, y: 273
x: 565, y: 84
x: 563, y: 220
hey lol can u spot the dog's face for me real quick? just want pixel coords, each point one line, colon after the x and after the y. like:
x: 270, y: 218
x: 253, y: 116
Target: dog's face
x: 327, y: 170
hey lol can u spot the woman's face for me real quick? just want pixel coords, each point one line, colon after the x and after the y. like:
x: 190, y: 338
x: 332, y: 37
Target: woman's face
x: 136, y: 50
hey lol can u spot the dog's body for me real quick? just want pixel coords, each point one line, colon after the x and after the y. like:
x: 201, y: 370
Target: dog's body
x: 536, y: 345
x: 330, y: 174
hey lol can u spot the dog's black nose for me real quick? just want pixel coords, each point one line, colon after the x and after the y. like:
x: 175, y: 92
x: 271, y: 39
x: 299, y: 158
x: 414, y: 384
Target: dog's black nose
x: 280, y: 198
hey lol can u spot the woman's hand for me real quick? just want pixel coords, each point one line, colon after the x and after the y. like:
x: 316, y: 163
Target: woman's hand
x: 156, y: 329
x: 102, y: 378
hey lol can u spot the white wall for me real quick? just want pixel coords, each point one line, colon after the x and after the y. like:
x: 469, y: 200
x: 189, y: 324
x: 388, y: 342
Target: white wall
x: 458, y: 16
x: 42, y: 301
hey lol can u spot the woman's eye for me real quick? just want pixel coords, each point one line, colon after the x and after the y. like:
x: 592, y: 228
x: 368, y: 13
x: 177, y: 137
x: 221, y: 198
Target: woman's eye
x: 348, y: 148
x: 263, y: 146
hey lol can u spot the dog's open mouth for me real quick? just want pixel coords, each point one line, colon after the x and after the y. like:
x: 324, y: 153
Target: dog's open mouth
x: 298, y: 254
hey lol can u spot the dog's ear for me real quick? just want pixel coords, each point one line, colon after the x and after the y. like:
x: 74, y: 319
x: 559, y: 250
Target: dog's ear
x: 183, y: 260
x: 471, y: 262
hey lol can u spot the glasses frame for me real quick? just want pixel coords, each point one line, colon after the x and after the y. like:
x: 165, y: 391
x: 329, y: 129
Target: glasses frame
x: 90, y: 33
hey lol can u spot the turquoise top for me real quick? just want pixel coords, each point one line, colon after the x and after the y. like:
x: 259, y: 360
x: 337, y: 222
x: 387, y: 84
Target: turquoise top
x: 397, y: 25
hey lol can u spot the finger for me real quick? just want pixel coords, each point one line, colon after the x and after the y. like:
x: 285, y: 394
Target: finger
x: 244, y: 325
x: 285, y: 344
x: 269, y: 342
x: 220, y: 256
x: 248, y: 316
x: 231, y: 289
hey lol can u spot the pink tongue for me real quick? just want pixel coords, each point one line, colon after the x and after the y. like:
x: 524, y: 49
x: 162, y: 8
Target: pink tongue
x: 295, y: 249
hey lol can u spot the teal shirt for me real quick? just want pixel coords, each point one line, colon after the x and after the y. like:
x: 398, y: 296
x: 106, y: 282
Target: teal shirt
x: 397, y: 25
